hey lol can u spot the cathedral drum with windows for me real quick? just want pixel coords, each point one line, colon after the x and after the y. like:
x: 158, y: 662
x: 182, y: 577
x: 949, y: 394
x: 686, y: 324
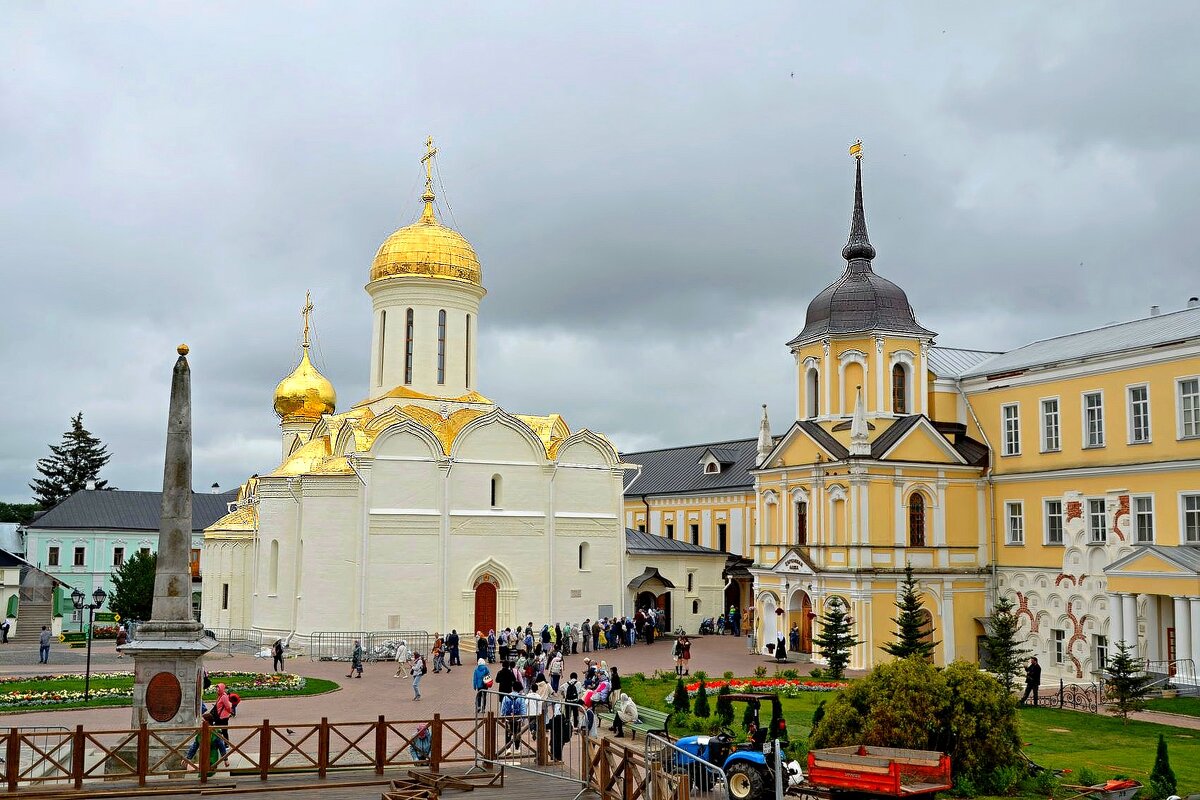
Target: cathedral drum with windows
x: 424, y: 506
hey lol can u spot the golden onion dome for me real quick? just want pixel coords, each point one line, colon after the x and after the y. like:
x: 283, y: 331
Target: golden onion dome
x: 304, y: 395
x: 427, y: 248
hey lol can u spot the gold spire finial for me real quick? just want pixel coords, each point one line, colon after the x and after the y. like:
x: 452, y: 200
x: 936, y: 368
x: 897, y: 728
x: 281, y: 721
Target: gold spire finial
x: 427, y: 160
x: 306, y: 312
x: 856, y: 149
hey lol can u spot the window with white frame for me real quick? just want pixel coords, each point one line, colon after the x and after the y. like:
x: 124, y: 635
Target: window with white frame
x: 1189, y: 407
x: 1191, y: 518
x: 1010, y: 417
x: 1097, y: 521
x: 1051, y: 439
x: 1143, y: 520
x: 118, y: 556
x: 1139, y: 414
x: 1093, y: 419
x: 1054, y: 522
x: 1014, y: 515
x: 1099, y: 652
x: 1060, y: 646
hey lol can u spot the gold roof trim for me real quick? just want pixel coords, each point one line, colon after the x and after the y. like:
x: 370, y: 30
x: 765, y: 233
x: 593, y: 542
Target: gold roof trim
x: 243, y: 519
x: 313, y: 458
x: 404, y: 393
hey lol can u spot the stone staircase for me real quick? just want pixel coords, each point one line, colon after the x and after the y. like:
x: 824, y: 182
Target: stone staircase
x: 31, y: 616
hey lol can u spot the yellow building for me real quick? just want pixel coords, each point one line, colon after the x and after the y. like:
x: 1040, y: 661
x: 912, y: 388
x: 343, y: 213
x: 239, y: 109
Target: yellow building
x: 1064, y: 474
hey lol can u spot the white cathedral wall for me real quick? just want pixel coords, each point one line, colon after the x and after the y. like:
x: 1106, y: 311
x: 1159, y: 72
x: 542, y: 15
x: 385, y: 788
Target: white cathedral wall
x: 226, y: 561
x: 278, y: 517
x: 330, y: 554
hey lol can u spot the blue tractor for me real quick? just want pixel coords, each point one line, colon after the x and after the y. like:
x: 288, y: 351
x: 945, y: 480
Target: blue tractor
x: 749, y: 766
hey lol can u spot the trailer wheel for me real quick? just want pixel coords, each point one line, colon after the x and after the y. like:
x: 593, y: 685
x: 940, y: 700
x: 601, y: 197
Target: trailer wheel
x: 746, y: 781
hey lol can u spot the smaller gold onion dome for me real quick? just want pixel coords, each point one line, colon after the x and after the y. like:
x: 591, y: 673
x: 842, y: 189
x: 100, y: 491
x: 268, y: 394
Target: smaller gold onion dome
x: 306, y: 394
x: 427, y: 248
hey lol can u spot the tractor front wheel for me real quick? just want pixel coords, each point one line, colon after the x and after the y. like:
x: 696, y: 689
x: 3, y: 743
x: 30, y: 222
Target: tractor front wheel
x: 746, y: 781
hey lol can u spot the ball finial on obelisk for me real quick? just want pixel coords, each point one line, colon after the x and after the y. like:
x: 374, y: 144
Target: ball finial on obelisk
x: 183, y: 349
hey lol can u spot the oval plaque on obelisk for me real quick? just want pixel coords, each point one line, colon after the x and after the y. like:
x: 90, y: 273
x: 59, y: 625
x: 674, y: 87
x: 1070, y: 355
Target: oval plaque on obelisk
x: 163, y: 696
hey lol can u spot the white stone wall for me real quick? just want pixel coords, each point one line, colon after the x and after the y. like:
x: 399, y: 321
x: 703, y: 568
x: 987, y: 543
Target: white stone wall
x: 707, y: 586
x: 227, y: 561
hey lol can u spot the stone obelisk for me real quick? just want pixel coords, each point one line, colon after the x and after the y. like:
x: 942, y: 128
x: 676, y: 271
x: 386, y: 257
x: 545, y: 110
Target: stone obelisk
x: 169, y: 650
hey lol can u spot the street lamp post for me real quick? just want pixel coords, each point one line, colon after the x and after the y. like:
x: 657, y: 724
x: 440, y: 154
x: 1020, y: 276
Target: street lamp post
x: 80, y: 601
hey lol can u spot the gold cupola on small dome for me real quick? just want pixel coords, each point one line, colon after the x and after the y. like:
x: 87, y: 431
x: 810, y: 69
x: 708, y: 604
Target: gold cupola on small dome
x: 427, y: 248
x: 305, y: 395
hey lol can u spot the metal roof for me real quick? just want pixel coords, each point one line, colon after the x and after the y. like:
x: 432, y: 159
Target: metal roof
x: 119, y: 510
x: 1177, y: 326
x: 954, y: 362
x: 648, y: 543
x: 1187, y: 557
x: 677, y: 470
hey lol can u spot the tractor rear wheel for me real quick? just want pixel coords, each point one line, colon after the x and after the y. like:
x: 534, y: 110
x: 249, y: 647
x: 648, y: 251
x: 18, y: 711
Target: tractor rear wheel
x: 746, y: 781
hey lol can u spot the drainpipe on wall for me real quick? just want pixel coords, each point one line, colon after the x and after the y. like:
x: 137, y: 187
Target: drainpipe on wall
x: 991, y: 488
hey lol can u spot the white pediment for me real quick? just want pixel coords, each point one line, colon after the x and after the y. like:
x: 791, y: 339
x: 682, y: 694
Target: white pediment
x: 793, y: 563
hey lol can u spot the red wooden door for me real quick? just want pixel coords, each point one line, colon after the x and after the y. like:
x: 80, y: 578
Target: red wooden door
x: 485, y: 607
x: 806, y: 625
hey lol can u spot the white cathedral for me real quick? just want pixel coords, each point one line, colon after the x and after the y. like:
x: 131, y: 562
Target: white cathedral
x: 426, y: 506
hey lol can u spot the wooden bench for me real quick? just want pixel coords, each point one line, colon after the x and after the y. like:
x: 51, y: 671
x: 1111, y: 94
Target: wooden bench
x: 648, y: 721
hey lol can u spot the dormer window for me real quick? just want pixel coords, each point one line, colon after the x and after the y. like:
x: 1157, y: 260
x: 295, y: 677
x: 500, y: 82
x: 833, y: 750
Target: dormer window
x: 712, y: 468
x: 715, y: 460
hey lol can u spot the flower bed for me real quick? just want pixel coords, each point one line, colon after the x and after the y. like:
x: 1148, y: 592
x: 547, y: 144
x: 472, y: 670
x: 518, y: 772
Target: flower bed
x: 234, y: 682
x: 787, y: 687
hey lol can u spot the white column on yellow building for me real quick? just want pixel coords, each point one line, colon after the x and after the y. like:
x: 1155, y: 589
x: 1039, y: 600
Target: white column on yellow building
x: 948, y: 649
x: 826, y: 379
x: 1130, y: 621
x: 1153, y: 639
x: 1194, y: 603
x: 1116, y: 618
x: 1183, y: 629
x: 880, y: 397
x: 899, y: 516
x: 923, y: 402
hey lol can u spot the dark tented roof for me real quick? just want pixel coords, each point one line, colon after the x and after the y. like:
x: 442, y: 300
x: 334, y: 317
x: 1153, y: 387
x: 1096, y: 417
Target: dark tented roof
x: 677, y: 469
x: 128, y: 511
x: 650, y: 574
x: 648, y: 543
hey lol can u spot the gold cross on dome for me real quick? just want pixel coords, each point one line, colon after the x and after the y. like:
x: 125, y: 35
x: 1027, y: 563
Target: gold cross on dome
x: 306, y: 312
x: 427, y: 160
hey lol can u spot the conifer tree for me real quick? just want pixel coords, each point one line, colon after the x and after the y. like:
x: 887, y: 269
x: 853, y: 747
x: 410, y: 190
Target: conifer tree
x: 835, y: 639
x: 72, y: 463
x: 679, y: 701
x: 724, y: 706
x: 133, y: 586
x: 1127, y: 683
x: 1162, y: 777
x: 701, y: 708
x: 910, y: 639
x: 1004, y: 652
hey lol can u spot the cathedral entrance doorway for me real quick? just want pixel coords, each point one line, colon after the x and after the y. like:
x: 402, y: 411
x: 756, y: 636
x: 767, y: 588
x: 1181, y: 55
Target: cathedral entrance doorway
x: 485, y: 604
x: 800, y: 614
x: 661, y: 604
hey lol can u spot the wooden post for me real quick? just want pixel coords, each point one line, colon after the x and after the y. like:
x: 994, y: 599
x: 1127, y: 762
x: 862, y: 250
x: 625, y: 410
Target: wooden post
x: 204, y: 754
x: 143, y: 753
x: 380, y: 745
x: 264, y: 750
x: 626, y: 773
x: 605, y: 768
x: 323, y: 747
x: 435, y: 745
x: 543, y: 757
x: 12, y: 756
x: 585, y: 750
x: 489, y: 738
x: 77, y: 740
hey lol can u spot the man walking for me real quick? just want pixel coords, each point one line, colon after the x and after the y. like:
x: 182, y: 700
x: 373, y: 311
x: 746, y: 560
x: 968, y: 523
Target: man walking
x: 1033, y: 680
x: 44, y: 646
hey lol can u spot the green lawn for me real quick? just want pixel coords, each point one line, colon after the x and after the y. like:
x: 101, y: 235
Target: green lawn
x: 1067, y: 740
x: 1176, y: 705
x: 101, y: 682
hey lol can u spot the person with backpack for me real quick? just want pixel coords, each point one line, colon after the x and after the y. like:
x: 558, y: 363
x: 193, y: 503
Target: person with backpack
x: 571, y: 695
x: 481, y: 681
x: 216, y: 744
x: 556, y: 670
x: 418, y: 670
x: 677, y: 654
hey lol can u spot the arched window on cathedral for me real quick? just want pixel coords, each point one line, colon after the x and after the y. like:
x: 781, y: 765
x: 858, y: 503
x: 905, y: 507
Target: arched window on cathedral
x: 442, y: 346
x: 812, y: 392
x: 916, y: 520
x: 899, y: 389
x: 801, y: 522
x: 583, y: 556
x: 408, y: 346
x: 273, y: 567
x: 496, y: 486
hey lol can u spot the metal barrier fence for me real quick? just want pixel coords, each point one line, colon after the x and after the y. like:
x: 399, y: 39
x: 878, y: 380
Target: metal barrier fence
x: 531, y: 734
x: 240, y: 641
x: 377, y: 645
x: 704, y: 781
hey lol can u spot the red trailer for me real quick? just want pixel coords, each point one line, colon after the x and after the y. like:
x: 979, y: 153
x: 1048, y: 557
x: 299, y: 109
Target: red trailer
x: 878, y: 771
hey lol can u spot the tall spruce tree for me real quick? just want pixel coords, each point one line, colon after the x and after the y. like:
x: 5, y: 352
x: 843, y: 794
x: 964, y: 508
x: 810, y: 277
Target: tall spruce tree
x: 835, y: 639
x: 911, y: 639
x: 1005, y: 656
x: 71, y: 465
x: 1127, y: 683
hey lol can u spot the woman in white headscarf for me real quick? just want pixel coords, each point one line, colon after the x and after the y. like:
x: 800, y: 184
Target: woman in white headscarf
x: 402, y: 659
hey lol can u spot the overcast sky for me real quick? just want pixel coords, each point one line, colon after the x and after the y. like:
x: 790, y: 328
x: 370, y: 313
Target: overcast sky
x: 655, y: 191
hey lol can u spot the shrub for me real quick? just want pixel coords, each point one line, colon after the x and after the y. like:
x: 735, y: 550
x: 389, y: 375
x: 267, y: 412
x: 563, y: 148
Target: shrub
x: 1162, y: 777
x: 818, y: 715
x: 790, y: 674
x: 701, y: 675
x: 680, y: 701
x: 817, y: 673
x: 1087, y: 777
x: 1002, y: 780
x: 760, y: 671
x: 964, y: 787
x: 641, y: 676
x: 728, y: 675
x: 910, y: 703
x: 724, y: 707
x: 701, y: 708
x: 1046, y: 783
